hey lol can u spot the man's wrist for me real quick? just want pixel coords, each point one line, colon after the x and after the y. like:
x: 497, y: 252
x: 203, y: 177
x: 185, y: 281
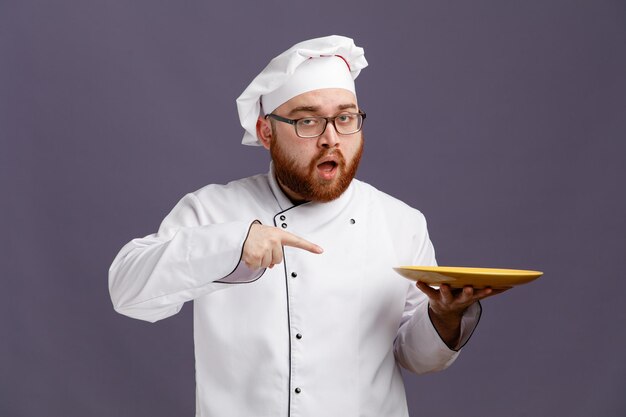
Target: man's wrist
x: 447, y: 316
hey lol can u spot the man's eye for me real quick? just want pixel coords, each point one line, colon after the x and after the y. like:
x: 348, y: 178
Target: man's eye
x: 308, y: 122
x: 344, y: 118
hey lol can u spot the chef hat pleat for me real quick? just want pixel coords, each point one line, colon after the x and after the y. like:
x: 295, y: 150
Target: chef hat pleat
x: 328, y: 62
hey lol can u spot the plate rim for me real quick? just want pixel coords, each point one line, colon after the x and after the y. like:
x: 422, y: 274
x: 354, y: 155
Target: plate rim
x: 469, y: 271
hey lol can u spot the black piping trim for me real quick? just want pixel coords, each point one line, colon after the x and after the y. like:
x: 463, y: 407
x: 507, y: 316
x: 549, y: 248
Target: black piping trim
x: 480, y: 313
x: 288, y: 332
x: 219, y: 281
x: 288, y: 315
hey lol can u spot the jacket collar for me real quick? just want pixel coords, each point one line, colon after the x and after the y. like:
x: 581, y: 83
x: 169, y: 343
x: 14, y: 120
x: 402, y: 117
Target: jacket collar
x: 330, y: 208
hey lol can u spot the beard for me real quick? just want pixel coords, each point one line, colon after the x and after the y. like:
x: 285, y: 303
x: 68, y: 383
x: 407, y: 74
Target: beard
x: 305, y: 182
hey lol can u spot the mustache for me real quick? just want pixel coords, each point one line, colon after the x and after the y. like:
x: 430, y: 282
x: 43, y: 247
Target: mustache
x: 324, y: 153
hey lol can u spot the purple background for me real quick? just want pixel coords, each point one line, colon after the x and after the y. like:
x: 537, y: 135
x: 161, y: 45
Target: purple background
x: 503, y: 121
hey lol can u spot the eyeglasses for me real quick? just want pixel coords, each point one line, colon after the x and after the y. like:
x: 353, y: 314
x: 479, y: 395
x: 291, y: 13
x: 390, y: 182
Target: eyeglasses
x: 312, y: 127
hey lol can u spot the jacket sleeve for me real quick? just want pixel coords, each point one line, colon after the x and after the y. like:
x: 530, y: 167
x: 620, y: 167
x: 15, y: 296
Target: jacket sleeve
x: 418, y: 347
x: 152, y: 277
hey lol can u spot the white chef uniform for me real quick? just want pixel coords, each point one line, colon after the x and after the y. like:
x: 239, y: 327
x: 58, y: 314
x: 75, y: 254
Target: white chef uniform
x: 319, y: 334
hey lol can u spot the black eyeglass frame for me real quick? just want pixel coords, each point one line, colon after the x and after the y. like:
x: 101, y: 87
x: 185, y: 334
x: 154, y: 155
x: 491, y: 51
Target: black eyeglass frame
x: 294, y: 122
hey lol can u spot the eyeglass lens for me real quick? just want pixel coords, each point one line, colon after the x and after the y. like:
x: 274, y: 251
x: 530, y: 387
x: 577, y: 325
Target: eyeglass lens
x: 344, y: 123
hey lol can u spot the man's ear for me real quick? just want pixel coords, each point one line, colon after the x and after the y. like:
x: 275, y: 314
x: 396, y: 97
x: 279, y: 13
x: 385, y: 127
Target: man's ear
x: 264, y: 131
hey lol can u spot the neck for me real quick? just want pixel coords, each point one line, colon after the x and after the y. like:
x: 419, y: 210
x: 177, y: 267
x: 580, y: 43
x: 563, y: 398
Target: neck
x: 295, y: 198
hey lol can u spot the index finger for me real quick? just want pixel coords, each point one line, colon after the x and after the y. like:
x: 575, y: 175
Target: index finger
x: 289, y: 239
x: 488, y: 292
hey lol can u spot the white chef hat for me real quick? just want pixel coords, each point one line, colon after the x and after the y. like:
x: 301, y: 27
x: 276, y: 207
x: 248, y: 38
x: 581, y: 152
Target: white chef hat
x: 328, y: 62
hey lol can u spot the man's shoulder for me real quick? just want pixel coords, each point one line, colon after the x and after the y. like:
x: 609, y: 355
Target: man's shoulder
x: 386, y: 202
x: 254, y: 184
x: 405, y: 225
x: 254, y: 188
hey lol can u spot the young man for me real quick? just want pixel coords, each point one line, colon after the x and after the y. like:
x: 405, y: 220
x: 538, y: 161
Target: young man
x: 297, y: 310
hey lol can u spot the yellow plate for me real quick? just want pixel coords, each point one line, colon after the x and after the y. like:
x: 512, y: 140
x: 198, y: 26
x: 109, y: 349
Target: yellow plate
x: 458, y: 277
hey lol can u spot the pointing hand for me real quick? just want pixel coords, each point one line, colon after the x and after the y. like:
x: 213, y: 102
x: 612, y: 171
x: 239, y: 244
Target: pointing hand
x: 264, y: 246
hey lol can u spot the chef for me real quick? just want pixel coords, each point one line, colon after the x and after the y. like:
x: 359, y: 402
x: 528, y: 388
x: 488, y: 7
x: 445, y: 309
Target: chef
x: 297, y: 310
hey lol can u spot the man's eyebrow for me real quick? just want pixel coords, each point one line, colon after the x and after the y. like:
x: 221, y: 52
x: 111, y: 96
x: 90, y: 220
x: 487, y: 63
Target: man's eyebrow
x: 347, y: 106
x: 310, y: 109
x: 315, y: 109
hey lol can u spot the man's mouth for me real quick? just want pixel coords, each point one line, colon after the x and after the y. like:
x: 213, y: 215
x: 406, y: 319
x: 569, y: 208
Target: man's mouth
x: 327, y: 169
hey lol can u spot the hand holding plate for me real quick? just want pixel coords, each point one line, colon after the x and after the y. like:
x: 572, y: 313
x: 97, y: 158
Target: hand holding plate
x: 446, y: 307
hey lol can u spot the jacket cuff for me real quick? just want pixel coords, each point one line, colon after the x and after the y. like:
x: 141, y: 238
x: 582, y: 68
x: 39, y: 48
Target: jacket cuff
x: 242, y: 274
x: 469, y: 321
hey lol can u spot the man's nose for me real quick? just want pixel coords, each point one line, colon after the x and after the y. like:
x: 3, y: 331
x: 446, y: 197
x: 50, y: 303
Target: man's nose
x: 330, y: 137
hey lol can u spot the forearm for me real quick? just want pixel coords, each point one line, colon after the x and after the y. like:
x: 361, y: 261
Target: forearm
x: 152, y: 277
x: 418, y: 347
